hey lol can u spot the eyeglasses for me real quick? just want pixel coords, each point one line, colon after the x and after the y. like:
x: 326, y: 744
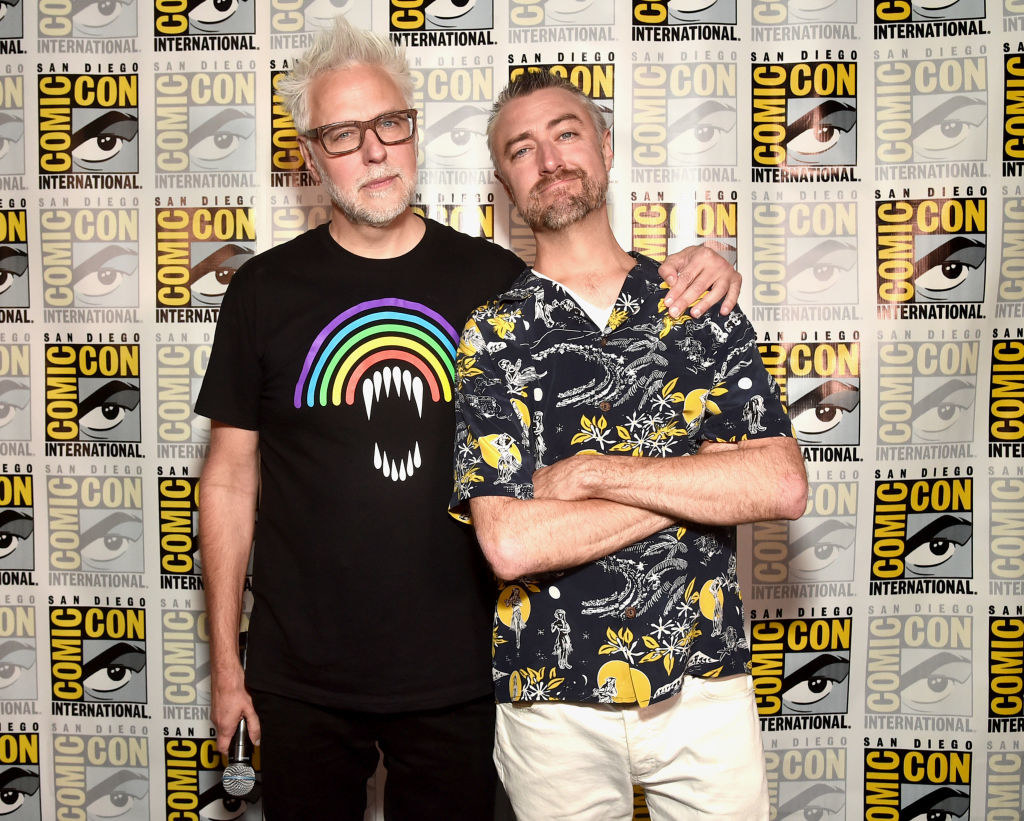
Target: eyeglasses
x: 393, y: 128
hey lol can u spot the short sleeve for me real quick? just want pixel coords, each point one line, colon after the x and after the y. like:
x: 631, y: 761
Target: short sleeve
x: 232, y: 385
x: 492, y: 423
x: 744, y: 403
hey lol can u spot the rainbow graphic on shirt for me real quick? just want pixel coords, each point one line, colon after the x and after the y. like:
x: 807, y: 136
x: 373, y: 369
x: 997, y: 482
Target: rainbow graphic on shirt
x: 392, y: 347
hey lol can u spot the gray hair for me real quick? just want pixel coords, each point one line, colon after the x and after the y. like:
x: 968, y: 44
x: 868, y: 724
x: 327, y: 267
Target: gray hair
x: 337, y: 47
x: 527, y: 83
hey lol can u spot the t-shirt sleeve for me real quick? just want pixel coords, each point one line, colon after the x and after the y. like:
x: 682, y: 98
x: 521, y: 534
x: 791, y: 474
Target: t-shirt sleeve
x: 231, y: 387
x: 492, y: 422
x: 744, y: 402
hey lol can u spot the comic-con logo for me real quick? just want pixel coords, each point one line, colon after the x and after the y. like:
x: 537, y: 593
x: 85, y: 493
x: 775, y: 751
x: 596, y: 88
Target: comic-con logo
x: 14, y: 260
x: 205, y: 123
x: 466, y: 17
x: 1005, y: 669
x: 101, y: 776
x: 922, y: 535
x: 198, y: 250
x: 1010, y: 292
x: 89, y: 124
x: 186, y: 25
x: 1006, y: 396
x: 17, y: 525
x: 17, y: 653
x: 805, y: 260
x: 804, y: 120
x: 801, y: 671
x: 287, y: 167
x: 930, y: 111
x: 656, y: 224
x: 805, y: 783
x: 475, y: 220
x: 178, y: 503
x: 97, y: 659
x: 90, y: 257
x: 194, y: 791
x: 683, y: 115
x: 454, y: 105
x: 15, y: 393
x: 12, y: 121
x: 95, y: 525
x: 805, y: 12
x: 890, y: 12
x: 186, y: 663
x: 66, y: 18
x: 815, y: 552
x: 926, y: 398
x: 919, y: 665
x: 92, y: 393
x: 917, y: 783
x: 19, y: 777
x: 541, y: 14
x: 1006, y: 537
x: 819, y: 384
x: 930, y: 258
x: 180, y: 367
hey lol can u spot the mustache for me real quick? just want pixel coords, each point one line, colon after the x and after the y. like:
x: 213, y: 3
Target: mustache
x: 380, y: 174
x: 562, y: 175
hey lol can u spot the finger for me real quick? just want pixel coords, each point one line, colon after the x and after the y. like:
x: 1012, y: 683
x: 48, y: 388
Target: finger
x: 253, y: 722
x: 731, y: 298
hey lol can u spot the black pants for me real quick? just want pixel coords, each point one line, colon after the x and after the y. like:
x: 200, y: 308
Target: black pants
x: 315, y: 761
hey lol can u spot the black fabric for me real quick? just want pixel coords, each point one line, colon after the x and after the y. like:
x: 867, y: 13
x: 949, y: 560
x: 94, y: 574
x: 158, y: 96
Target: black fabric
x: 315, y: 761
x: 367, y: 595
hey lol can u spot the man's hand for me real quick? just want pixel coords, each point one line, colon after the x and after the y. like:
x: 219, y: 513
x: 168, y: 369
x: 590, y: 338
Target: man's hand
x: 567, y: 480
x: 231, y: 701
x: 694, y: 270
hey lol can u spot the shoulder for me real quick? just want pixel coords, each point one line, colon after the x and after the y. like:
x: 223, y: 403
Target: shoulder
x: 267, y: 267
x: 501, y: 263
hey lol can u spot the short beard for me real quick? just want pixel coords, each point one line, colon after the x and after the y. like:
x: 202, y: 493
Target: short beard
x: 358, y: 213
x: 567, y: 210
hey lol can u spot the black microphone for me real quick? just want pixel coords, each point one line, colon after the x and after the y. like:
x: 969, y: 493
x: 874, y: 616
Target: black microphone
x: 239, y: 778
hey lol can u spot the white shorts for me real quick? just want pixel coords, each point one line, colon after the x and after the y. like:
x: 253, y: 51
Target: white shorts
x: 697, y: 755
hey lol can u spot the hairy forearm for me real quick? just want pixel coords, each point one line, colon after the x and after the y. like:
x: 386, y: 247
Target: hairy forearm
x: 521, y: 537
x: 720, y: 485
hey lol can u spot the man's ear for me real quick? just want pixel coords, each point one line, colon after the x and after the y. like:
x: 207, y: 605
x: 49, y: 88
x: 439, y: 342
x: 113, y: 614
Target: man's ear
x: 606, y: 149
x: 304, y: 149
x: 508, y: 191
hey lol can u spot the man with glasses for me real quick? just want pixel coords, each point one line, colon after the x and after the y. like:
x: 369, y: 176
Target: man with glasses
x: 330, y: 387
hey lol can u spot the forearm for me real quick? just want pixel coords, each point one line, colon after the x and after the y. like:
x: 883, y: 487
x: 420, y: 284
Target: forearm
x: 520, y: 537
x: 720, y: 485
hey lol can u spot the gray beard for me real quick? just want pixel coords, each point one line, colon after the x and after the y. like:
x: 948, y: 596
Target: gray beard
x: 357, y: 213
x: 567, y: 211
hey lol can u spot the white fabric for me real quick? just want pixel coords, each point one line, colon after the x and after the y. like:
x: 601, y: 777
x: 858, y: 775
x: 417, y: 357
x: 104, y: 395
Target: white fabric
x: 598, y: 315
x: 698, y: 755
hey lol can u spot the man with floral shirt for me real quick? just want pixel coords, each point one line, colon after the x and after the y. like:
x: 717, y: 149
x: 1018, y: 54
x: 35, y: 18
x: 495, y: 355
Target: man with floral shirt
x: 619, y: 650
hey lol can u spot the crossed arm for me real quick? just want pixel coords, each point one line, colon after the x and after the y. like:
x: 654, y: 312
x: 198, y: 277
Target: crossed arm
x: 590, y: 505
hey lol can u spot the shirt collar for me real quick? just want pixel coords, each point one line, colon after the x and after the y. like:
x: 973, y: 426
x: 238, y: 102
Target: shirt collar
x: 641, y: 281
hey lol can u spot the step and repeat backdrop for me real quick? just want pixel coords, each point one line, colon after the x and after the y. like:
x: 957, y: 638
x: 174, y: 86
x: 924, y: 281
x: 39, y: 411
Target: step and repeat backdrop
x: 860, y: 162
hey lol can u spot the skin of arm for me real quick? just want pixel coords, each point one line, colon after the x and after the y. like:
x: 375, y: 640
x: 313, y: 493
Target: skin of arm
x: 227, y: 506
x: 695, y: 271
x: 590, y: 505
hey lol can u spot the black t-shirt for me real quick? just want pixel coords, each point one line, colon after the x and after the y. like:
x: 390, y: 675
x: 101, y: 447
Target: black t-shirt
x: 367, y: 595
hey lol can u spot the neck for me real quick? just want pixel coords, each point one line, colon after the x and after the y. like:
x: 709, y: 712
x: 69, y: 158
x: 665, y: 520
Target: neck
x: 378, y: 242
x: 586, y: 258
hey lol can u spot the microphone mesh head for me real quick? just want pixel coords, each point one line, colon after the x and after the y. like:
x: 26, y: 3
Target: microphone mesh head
x: 238, y: 779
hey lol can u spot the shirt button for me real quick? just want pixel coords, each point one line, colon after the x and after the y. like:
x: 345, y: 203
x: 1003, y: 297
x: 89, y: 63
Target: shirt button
x: 605, y: 406
x: 604, y: 341
x: 630, y: 612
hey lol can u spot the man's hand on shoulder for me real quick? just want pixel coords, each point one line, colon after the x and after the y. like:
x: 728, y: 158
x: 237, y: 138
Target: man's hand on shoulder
x: 699, y: 270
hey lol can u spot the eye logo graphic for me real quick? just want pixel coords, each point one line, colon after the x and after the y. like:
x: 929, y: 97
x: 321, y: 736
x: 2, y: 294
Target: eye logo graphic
x: 291, y: 17
x: 928, y: 10
x: 19, y: 777
x: 12, y: 24
x: 89, y: 19
x: 199, y: 17
x: 529, y: 13
x: 380, y: 353
x: 12, y: 123
x: 433, y: 15
x: 801, y: 668
x: 17, y: 655
x: 14, y: 259
x: 456, y: 136
x: 775, y: 13
x: 17, y: 522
